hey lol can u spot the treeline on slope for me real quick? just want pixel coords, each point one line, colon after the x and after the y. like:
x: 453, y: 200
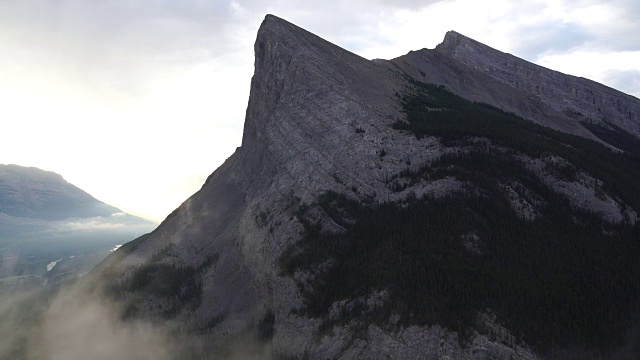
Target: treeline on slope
x: 614, y: 135
x: 178, y: 286
x: 433, y: 111
x: 567, y: 278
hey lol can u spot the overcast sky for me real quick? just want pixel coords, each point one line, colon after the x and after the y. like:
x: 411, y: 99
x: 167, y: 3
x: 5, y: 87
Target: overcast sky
x: 137, y: 102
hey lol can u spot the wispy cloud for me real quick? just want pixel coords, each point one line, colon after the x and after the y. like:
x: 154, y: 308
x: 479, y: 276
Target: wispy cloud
x: 95, y: 224
x: 79, y: 324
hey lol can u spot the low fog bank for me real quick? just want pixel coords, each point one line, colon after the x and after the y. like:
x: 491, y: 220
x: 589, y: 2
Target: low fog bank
x: 72, y: 322
x: 76, y: 321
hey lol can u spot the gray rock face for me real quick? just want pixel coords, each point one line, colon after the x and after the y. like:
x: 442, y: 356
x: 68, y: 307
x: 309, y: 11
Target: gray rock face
x: 575, y: 97
x: 479, y: 73
x: 319, y: 118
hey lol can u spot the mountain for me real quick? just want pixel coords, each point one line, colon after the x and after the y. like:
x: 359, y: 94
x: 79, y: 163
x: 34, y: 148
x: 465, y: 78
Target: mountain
x: 450, y: 203
x: 479, y: 73
x: 34, y: 193
x: 51, y: 230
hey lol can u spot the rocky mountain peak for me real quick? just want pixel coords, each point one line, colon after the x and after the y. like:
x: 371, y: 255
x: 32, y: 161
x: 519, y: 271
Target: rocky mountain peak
x: 454, y: 40
x: 329, y: 139
x: 274, y: 49
x: 284, y: 53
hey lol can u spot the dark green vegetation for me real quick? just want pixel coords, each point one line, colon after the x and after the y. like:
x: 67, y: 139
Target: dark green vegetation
x: 566, y: 278
x: 433, y: 111
x: 616, y: 137
x: 178, y: 286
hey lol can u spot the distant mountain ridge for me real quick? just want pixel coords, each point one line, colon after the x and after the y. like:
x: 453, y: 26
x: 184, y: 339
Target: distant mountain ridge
x: 45, y: 220
x: 34, y: 193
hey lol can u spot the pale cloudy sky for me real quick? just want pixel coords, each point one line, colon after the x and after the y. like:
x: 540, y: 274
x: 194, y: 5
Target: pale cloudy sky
x: 137, y: 102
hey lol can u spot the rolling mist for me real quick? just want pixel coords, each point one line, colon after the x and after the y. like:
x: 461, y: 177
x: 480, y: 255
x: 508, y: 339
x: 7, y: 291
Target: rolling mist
x: 76, y: 320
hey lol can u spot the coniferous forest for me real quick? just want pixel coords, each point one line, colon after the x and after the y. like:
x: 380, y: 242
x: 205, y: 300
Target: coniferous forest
x: 566, y: 278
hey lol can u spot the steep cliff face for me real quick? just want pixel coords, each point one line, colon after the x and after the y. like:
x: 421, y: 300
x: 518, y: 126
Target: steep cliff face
x: 325, y: 127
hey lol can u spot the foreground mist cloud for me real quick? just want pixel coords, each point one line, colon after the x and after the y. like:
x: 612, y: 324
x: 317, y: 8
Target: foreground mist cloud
x: 76, y: 324
x: 93, y: 225
x: 86, y: 327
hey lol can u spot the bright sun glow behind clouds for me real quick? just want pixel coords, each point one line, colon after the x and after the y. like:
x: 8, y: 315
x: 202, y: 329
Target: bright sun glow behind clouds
x: 147, y: 146
x: 143, y: 144
x: 138, y: 102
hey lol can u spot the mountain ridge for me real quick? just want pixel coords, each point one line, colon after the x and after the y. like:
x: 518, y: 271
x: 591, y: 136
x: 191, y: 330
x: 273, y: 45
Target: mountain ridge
x: 326, y: 128
x: 583, y: 98
x: 35, y: 193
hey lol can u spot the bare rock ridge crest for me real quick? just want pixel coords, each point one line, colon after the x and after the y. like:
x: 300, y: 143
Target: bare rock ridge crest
x: 577, y: 97
x: 319, y: 119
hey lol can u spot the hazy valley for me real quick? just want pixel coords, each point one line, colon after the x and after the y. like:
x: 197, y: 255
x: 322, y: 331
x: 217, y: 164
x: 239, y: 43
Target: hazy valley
x: 51, y: 231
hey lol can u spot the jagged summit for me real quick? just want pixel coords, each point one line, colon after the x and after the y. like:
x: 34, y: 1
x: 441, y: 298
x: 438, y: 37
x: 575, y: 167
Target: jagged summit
x: 457, y: 45
x: 285, y: 52
x: 453, y: 39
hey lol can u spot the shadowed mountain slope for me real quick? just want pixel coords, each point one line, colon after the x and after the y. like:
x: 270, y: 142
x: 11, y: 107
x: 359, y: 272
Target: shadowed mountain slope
x: 578, y: 98
x: 480, y: 73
